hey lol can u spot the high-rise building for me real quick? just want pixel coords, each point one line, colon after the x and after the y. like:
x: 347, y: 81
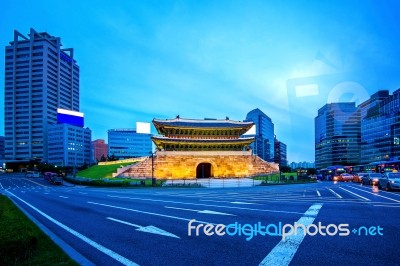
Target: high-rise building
x: 263, y: 145
x: 69, y: 143
x: 100, y: 149
x: 40, y: 77
x: 2, y: 157
x: 304, y: 165
x: 280, y: 153
x: 337, y: 135
x: 129, y: 143
x: 380, y: 127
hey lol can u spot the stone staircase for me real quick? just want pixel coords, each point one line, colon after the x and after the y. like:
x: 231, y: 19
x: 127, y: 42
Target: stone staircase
x: 139, y: 170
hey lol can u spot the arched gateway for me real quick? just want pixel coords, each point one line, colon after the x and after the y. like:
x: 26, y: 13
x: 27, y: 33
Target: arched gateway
x: 204, y: 170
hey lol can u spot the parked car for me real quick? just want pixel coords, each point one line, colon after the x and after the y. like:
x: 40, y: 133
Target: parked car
x: 390, y: 181
x: 32, y: 174
x: 371, y: 179
x: 346, y: 177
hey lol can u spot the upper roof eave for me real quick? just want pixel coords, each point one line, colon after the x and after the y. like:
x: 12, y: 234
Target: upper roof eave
x: 201, y: 123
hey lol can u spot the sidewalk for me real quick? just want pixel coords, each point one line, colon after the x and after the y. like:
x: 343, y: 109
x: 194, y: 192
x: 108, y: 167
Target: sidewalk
x: 215, y: 182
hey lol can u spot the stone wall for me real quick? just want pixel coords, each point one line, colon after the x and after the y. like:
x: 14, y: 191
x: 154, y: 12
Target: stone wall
x: 178, y: 165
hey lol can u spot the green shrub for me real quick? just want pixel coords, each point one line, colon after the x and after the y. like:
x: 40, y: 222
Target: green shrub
x: 22, y: 242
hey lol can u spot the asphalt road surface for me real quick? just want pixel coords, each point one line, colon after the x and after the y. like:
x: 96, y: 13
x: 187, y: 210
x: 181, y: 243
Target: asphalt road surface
x: 109, y: 226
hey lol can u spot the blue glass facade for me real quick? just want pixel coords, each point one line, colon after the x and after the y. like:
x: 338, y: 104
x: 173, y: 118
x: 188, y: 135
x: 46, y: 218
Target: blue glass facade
x: 127, y: 143
x: 380, y: 127
x: 280, y: 153
x: 337, y: 135
x: 263, y: 145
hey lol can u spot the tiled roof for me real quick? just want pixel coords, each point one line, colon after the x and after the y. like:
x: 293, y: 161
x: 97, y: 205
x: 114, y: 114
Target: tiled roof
x: 207, y: 123
x: 238, y: 140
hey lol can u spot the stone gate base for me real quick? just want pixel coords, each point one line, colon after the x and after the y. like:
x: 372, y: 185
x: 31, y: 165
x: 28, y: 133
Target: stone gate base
x: 197, y: 164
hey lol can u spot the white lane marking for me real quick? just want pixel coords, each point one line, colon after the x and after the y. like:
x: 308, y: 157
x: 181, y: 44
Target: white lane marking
x: 239, y: 202
x: 208, y: 205
x: 147, y: 229
x: 1, y: 186
x: 304, y: 193
x: 200, y: 211
x: 35, y: 182
x: 84, y: 193
x: 355, y: 194
x: 150, y: 213
x: 376, y: 194
x: 63, y: 197
x: 319, y: 194
x: 389, y: 193
x: 224, y: 201
x: 283, y: 253
x: 336, y: 194
x: 94, y: 244
x: 387, y: 206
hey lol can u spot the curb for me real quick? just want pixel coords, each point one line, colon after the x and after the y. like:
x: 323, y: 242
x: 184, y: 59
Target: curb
x: 70, y: 251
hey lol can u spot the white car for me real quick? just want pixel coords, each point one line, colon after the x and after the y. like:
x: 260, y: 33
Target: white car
x: 390, y: 181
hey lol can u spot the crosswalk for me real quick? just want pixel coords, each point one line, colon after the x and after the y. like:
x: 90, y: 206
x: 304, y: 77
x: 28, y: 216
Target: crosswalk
x: 325, y: 192
x: 335, y: 194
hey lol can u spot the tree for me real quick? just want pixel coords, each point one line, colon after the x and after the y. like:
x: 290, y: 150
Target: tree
x: 103, y: 158
x: 112, y: 158
x: 285, y: 169
x: 311, y: 171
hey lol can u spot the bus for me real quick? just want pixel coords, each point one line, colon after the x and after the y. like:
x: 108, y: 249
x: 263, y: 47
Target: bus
x: 331, y: 171
x: 377, y: 167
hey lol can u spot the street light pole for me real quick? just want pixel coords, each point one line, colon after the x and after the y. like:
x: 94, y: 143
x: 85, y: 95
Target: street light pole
x: 152, y: 169
x: 152, y: 165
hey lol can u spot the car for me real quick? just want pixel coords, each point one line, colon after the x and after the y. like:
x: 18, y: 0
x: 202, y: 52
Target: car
x: 47, y: 176
x: 32, y: 174
x: 358, y: 177
x: 53, y: 178
x: 390, y: 180
x: 346, y: 177
x: 371, y: 179
x: 337, y: 178
x: 56, y: 179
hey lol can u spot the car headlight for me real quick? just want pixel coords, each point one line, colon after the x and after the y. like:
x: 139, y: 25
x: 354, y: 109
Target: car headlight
x: 392, y: 181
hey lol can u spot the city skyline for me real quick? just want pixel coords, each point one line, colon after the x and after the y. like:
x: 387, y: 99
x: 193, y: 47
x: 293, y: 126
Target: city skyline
x: 145, y: 60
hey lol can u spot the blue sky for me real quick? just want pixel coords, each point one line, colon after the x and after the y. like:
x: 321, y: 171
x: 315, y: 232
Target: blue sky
x: 146, y: 59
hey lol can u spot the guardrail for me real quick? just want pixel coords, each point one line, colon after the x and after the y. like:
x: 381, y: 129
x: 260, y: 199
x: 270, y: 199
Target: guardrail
x: 131, y: 160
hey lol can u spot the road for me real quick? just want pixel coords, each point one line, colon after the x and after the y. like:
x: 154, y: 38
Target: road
x: 110, y: 226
